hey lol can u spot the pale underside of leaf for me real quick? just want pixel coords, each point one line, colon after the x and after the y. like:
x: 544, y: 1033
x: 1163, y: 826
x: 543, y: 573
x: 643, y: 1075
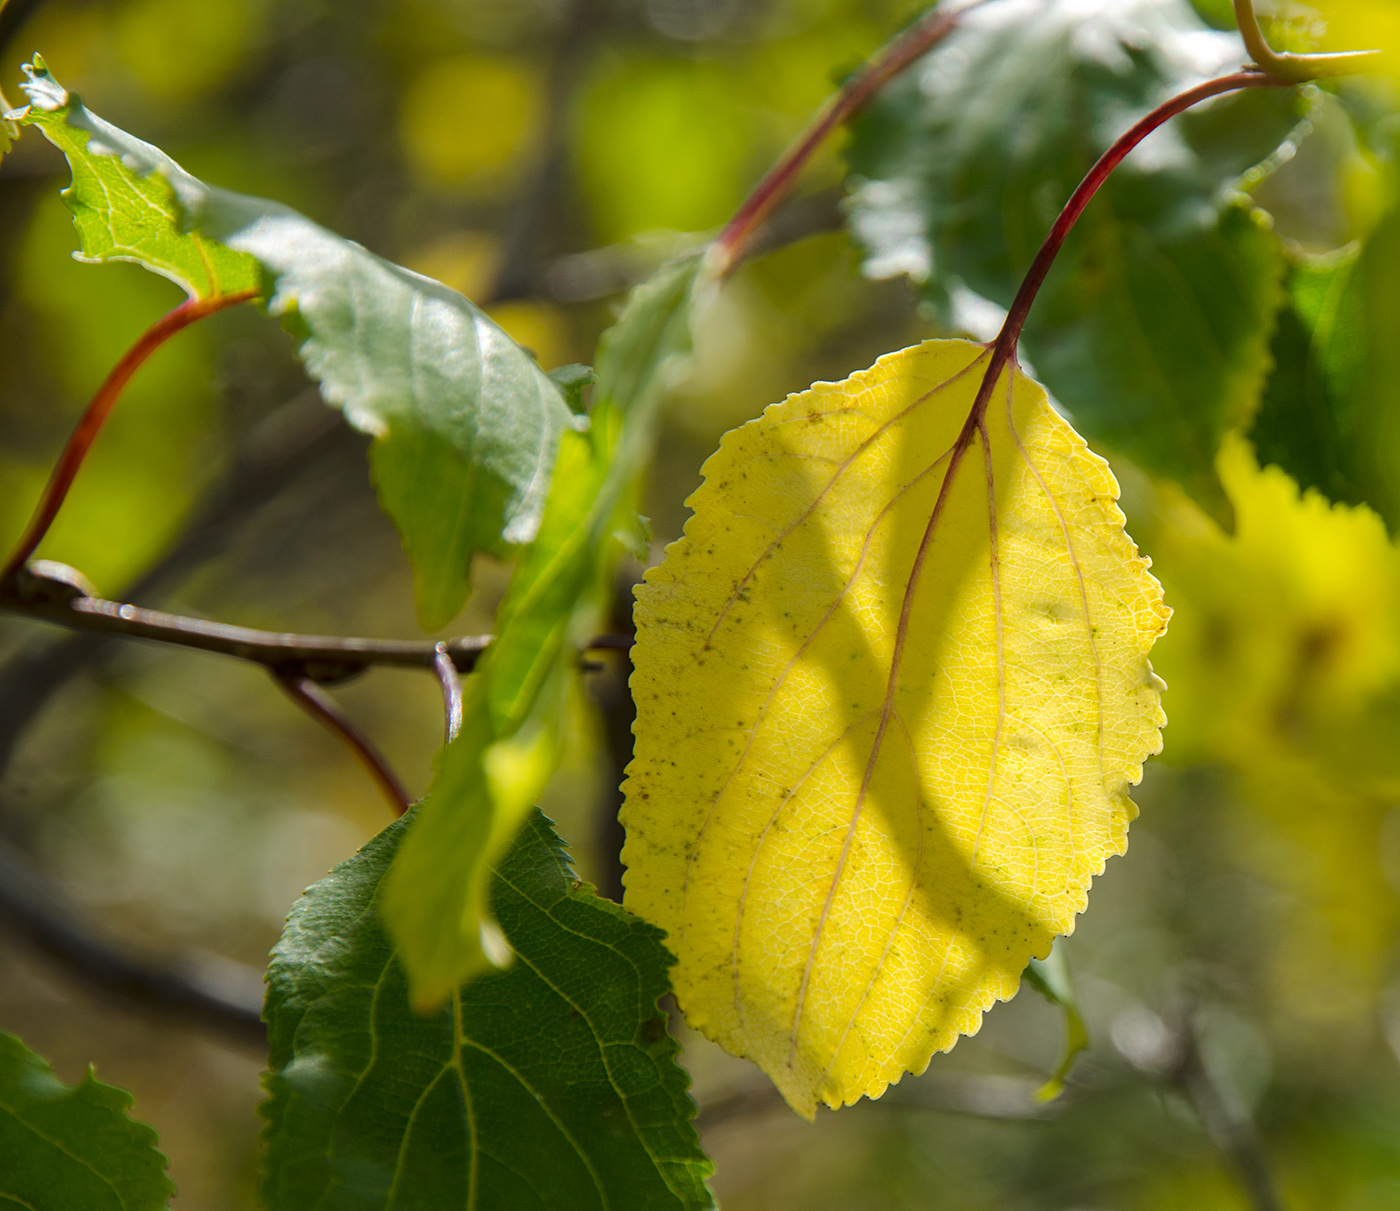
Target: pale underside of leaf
x: 858, y: 830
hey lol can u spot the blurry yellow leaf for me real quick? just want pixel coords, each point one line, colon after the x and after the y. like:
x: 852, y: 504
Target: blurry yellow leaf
x: 1281, y: 630
x: 468, y: 120
x: 1284, y: 659
x: 1362, y: 25
x: 860, y: 811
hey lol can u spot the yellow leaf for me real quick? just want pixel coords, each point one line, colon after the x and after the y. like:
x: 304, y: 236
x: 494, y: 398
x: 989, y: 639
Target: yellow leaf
x: 859, y: 810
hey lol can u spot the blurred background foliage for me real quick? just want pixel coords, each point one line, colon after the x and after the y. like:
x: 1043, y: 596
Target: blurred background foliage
x: 1238, y: 969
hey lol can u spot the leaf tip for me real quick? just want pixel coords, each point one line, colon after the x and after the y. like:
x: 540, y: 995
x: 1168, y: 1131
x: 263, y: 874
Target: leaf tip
x: 43, y: 91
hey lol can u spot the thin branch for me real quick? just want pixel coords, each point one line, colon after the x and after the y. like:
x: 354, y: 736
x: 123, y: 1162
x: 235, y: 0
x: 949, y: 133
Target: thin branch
x: 730, y: 246
x: 1225, y: 1120
x: 41, y: 593
x: 97, y: 412
x: 323, y: 658
x: 324, y: 709
x: 451, y: 682
x: 278, y: 449
x: 207, y: 989
x: 1285, y: 65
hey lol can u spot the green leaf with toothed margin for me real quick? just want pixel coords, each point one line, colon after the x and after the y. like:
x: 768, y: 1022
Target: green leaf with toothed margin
x: 467, y: 425
x: 65, y: 1148
x: 552, y: 1086
x: 1153, y: 327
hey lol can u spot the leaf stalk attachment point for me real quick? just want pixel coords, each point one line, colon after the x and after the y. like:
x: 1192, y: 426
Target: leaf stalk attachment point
x: 1285, y: 65
x: 96, y: 414
x: 1004, y: 346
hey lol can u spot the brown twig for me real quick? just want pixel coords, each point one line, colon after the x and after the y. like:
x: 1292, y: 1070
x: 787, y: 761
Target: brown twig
x: 323, y: 658
x: 289, y: 441
x: 324, y: 709
x: 40, y: 594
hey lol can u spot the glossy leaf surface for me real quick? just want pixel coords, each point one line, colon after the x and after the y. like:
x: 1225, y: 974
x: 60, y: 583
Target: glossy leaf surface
x: 552, y: 1085
x: 1153, y: 328
x: 64, y: 1148
x: 859, y: 808
x: 491, y: 775
x: 466, y: 424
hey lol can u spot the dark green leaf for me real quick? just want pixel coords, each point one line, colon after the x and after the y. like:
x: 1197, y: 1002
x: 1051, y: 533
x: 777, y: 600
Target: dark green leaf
x: 467, y: 425
x: 1153, y: 328
x: 491, y: 775
x: 72, y: 1149
x: 552, y: 1085
x: 1331, y: 411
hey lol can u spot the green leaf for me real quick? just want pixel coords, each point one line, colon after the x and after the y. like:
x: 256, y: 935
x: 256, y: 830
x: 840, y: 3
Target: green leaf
x: 490, y: 776
x: 1153, y: 328
x: 125, y: 197
x: 467, y: 425
x: 552, y: 1085
x: 1331, y: 411
x: 65, y: 1148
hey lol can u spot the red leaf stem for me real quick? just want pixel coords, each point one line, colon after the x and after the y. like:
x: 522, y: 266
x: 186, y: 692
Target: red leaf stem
x: 1004, y: 347
x: 97, y: 412
x: 729, y: 246
x: 325, y: 710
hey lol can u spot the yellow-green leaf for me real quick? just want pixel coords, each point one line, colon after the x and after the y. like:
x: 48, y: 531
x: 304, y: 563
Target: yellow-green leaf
x: 870, y: 784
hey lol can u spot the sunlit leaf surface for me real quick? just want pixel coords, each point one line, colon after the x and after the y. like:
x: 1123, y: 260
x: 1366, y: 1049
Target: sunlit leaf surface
x: 63, y: 1147
x: 549, y: 1087
x: 125, y: 197
x: 858, y: 808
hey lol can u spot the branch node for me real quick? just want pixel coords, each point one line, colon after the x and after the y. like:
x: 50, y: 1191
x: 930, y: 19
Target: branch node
x: 1286, y: 65
x: 46, y: 582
